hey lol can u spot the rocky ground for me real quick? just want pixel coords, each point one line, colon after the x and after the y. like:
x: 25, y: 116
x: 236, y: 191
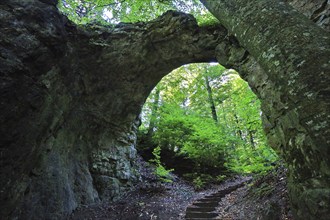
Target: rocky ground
x: 265, y: 198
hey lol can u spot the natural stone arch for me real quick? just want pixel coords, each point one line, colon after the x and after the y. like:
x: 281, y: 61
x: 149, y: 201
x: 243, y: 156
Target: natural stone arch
x: 69, y: 99
x: 69, y: 127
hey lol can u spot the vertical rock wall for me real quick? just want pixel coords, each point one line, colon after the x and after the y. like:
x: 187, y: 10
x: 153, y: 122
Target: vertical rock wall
x: 287, y: 65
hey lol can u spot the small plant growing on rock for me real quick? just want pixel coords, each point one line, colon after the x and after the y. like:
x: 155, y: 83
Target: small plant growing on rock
x: 198, y: 183
x: 161, y: 172
x: 220, y: 178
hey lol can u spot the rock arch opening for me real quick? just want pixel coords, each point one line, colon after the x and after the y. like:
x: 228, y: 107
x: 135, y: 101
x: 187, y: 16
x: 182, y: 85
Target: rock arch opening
x: 207, y: 118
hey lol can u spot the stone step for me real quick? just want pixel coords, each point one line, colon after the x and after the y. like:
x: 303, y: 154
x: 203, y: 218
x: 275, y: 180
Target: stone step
x: 206, y: 204
x: 198, y: 218
x: 200, y: 209
x: 216, y: 199
x: 216, y: 195
x: 202, y: 215
x: 205, y: 208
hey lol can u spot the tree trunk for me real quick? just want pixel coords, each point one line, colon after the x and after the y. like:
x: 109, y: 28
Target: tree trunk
x: 238, y: 129
x: 292, y: 82
x: 253, y: 145
x: 210, y: 97
x: 154, y: 113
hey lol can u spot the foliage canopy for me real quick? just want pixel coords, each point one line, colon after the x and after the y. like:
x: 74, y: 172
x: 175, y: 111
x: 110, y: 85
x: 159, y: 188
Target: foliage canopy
x: 184, y: 123
x: 115, y: 11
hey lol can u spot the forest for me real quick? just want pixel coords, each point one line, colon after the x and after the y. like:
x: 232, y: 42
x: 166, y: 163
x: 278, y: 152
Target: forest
x: 165, y: 109
x: 210, y: 115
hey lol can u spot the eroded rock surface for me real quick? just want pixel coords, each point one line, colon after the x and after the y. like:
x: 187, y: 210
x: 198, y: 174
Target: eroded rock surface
x: 70, y: 97
x: 316, y: 10
x: 288, y: 68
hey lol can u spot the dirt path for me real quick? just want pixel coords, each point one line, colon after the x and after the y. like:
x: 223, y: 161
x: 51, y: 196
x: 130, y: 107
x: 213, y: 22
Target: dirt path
x: 151, y: 200
x: 266, y: 198
x: 167, y: 201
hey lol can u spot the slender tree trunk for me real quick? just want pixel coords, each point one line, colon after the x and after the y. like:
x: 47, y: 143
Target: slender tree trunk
x: 211, y: 100
x: 154, y: 113
x: 238, y: 129
x: 224, y: 114
x: 251, y: 139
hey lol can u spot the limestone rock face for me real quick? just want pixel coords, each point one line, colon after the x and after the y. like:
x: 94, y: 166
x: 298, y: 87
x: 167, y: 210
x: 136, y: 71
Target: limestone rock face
x: 287, y: 66
x: 70, y: 97
x: 316, y: 10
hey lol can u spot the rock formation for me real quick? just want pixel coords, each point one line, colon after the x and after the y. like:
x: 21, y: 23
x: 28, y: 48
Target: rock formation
x: 288, y: 68
x: 71, y: 96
